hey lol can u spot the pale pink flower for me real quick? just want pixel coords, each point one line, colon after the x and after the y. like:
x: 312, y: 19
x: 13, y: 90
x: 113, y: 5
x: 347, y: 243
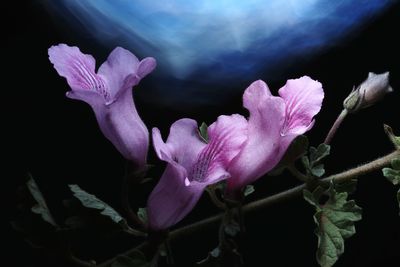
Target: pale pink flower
x: 109, y: 93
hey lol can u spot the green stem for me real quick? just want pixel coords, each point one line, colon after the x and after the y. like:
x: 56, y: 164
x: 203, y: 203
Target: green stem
x: 296, y: 173
x: 125, y: 189
x: 81, y: 263
x: 280, y: 197
x: 335, y: 126
x: 214, y: 198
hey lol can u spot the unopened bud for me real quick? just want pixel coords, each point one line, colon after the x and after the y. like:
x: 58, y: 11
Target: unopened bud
x: 373, y: 89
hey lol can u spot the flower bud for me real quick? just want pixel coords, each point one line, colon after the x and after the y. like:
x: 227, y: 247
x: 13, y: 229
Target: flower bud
x: 373, y: 89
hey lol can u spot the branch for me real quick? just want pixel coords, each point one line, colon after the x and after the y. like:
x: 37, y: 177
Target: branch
x: 279, y: 197
x: 335, y: 126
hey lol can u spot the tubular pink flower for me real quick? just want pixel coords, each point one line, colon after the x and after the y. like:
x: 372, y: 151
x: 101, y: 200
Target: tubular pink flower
x: 273, y: 124
x: 192, y: 165
x: 109, y: 94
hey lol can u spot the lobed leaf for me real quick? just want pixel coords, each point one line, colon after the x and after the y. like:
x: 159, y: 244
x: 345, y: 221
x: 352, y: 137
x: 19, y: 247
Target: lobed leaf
x: 335, y: 222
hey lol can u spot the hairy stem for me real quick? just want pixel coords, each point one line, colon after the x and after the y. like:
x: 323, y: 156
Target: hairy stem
x: 296, y: 173
x: 280, y: 197
x: 335, y: 126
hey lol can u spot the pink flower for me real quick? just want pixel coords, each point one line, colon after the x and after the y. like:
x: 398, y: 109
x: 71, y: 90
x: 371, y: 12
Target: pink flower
x: 192, y: 165
x: 109, y: 93
x: 273, y: 124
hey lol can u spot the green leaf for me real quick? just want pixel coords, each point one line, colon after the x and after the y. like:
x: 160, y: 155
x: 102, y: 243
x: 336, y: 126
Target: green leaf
x: 395, y: 139
x: 312, y: 162
x: 212, y: 259
x: 142, y: 214
x: 318, y: 170
x: 335, y: 222
x: 41, y: 207
x: 137, y: 259
x: 347, y: 186
x: 393, y: 175
x: 317, y: 154
x: 396, y: 163
x: 232, y: 228
x: 249, y: 189
x: 203, y: 132
x: 306, y: 162
x: 297, y: 149
x: 92, y: 202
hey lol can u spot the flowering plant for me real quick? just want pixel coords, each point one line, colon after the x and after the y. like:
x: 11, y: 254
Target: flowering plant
x: 224, y: 160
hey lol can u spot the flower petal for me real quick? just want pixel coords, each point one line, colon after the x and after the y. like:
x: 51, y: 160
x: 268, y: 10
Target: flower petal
x: 127, y: 131
x: 77, y: 68
x: 146, y: 66
x: 162, y: 150
x: 171, y: 200
x: 94, y: 99
x: 256, y: 94
x: 183, y: 144
x: 261, y: 151
x: 226, y: 137
x: 119, y: 70
x: 303, y: 98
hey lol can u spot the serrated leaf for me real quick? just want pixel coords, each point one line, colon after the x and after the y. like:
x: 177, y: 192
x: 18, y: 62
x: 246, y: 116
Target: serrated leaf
x: 142, y: 214
x: 203, y: 132
x: 312, y: 162
x: 249, y: 189
x: 306, y: 162
x: 392, y: 175
x: 395, y: 139
x: 317, y: 154
x: 92, y: 202
x: 215, y: 252
x: 396, y: 163
x: 335, y: 222
x: 232, y: 228
x: 318, y: 170
x: 346, y: 186
x: 211, y: 260
x: 137, y: 260
x: 41, y: 207
x: 313, y: 197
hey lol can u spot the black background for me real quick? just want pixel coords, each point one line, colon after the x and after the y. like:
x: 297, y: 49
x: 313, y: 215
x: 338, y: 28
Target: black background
x: 58, y: 141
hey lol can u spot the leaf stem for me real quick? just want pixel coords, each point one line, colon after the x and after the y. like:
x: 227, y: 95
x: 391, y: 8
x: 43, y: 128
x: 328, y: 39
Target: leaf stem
x: 279, y: 197
x: 335, y: 126
x: 214, y: 198
x: 126, y: 185
x: 296, y: 173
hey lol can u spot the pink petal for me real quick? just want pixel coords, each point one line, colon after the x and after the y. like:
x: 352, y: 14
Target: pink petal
x: 77, y: 68
x: 226, y: 138
x: 146, y: 66
x: 261, y: 151
x: 94, y: 99
x: 256, y: 94
x: 183, y: 144
x: 120, y: 71
x: 171, y: 200
x: 122, y: 125
x: 303, y: 98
